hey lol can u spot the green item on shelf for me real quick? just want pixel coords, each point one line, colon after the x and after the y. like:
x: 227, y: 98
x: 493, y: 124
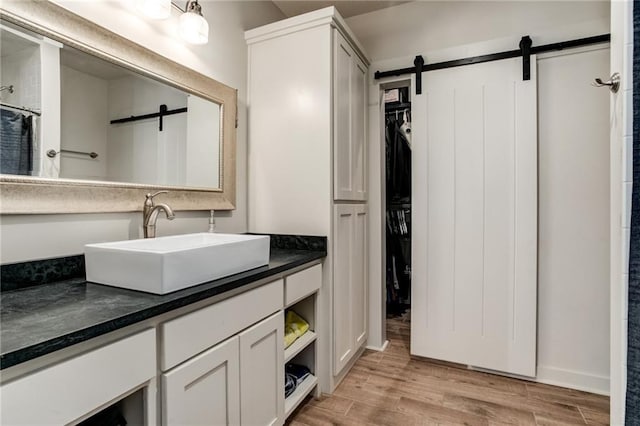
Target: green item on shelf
x: 294, y: 327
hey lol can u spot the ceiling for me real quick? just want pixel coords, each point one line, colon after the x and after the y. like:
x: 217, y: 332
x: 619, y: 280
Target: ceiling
x: 347, y: 8
x: 92, y: 65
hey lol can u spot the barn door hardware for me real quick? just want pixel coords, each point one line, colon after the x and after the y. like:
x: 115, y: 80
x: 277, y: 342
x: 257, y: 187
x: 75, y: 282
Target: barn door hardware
x: 163, y: 112
x: 525, y: 50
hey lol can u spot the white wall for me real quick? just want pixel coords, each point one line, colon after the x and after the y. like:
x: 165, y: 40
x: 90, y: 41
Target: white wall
x: 573, y: 221
x: 83, y: 109
x: 22, y: 70
x: 425, y: 26
x: 450, y: 30
x: 621, y: 185
x: 25, y: 237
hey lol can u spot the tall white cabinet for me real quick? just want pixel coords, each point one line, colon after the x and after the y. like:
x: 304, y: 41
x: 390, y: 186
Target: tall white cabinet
x: 307, y: 162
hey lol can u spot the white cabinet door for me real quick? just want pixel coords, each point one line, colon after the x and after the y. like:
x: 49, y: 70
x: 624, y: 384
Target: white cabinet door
x: 349, y: 109
x: 342, y: 136
x: 359, y: 276
x: 359, y: 129
x: 349, y: 283
x: 343, y: 347
x: 205, y: 389
x: 262, y: 373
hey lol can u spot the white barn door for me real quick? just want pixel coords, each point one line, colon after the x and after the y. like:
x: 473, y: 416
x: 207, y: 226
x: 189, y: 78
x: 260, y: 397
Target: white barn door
x: 475, y: 217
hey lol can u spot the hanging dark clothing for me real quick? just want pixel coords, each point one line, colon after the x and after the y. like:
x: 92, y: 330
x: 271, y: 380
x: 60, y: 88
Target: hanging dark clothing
x: 16, y: 143
x: 398, y: 161
x: 398, y: 180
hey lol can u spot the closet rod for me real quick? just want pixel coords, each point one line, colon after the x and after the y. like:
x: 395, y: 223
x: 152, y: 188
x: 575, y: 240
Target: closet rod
x: 397, y: 107
x: 525, y: 50
x: 32, y: 111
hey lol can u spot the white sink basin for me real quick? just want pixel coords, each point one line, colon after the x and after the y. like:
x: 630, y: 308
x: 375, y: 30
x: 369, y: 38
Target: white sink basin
x: 165, y: 264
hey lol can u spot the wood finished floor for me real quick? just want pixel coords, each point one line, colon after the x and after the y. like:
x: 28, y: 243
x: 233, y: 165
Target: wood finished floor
x: 393, y: 388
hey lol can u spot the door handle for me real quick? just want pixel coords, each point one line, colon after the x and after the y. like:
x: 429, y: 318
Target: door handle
x: 613, y: 83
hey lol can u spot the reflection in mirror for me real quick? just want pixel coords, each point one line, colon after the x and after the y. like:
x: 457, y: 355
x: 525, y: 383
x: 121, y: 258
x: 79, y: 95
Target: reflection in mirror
x: 54, y: 174
x: 20, y: 101
x: 114, y: 125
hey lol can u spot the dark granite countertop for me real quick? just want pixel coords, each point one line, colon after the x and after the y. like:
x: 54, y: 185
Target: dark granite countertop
x: 38, y: 320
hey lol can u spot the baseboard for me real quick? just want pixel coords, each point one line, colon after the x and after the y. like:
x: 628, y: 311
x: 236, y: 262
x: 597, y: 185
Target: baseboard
x: 559, y: 377
x: 379, y: 349
x: 336, y: 380
x: 573, y: 379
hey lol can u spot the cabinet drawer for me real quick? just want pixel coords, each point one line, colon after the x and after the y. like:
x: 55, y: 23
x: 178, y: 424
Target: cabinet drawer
x: 191, y: 334
x: 64, y: 392
x: 302, y: 284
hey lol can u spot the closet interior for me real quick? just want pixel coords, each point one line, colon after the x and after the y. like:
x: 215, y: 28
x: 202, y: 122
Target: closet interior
x: 398, y: 201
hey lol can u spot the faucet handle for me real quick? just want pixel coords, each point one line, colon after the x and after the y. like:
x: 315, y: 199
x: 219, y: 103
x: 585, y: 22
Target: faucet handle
x: 150, y: 196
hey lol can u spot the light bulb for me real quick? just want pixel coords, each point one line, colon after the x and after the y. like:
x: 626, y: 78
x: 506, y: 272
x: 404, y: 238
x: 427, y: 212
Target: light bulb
x: 194, y: 28
x: 155, y: 9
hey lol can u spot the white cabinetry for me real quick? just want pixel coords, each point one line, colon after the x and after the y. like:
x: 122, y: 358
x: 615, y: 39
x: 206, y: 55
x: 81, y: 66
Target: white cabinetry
x: 190, y: 334
x: 221, y: 363
x: 72, y: 390
x: 350, y: 289
x: 307, y: 152
x: 239, y: 381
x: 205, y: 389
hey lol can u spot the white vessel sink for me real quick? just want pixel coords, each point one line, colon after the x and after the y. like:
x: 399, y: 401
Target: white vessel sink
x: 165, y: 264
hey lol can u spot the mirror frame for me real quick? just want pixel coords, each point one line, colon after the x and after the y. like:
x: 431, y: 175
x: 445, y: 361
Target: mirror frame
x: 34, y: 195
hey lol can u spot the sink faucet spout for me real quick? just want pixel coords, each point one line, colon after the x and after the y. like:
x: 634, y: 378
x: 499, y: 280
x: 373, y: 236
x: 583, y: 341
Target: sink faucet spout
x: 150, y: 214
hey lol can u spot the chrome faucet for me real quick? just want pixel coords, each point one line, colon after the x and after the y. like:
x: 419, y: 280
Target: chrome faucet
x: 150, y: 214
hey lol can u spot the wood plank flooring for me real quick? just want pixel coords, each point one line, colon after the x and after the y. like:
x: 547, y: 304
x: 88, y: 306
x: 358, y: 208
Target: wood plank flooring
x: 394, y: 388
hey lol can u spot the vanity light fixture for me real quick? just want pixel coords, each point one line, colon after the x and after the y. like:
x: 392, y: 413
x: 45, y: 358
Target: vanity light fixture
x: 193, y: 28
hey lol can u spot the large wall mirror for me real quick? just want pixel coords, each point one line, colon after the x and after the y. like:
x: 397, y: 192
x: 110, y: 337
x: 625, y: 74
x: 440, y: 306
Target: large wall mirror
x: 90, y: 121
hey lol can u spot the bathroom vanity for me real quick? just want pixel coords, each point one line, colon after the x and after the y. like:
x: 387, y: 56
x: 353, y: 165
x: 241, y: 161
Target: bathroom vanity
x: 210, y: 354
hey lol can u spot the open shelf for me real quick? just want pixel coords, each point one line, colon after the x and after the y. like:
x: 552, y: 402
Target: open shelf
x: 302, y: 342
x: 301, y: 392
x: 304, y: 350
